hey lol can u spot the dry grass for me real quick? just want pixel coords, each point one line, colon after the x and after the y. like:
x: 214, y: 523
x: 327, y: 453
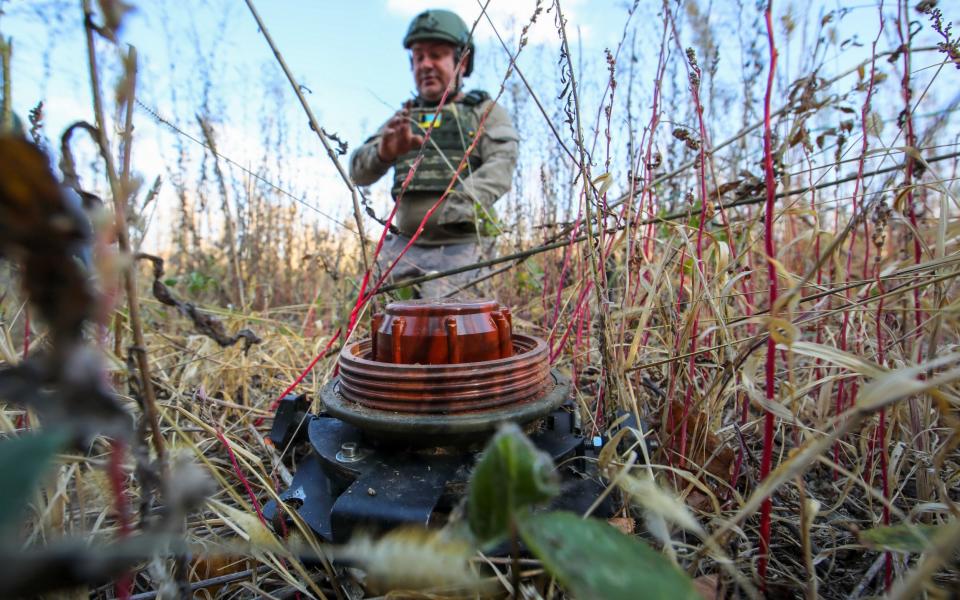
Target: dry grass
x: 663, y: 312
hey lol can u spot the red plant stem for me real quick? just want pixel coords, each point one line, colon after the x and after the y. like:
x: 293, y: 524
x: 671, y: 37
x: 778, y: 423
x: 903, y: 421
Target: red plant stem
x: 362, y: 296
x: 683, y: 282
x: 694, y: 76
x: 303, y: 374
x: 688, y: 398
x: 648, y: 162
x: 882, y: 426
x: 816, y: 250
x: 577, y: 313
x: 771, y: 185
x: 882, y: 430
x: 864, y: 112
x: 241, y: 476
x: 885, y: 483
x: 695, y: 305
x: 841, y: 403
x: 903, y: 22
x: 567, y: 252
x: 118, y: 484
x: 671, y: 389
x: 584, y: 323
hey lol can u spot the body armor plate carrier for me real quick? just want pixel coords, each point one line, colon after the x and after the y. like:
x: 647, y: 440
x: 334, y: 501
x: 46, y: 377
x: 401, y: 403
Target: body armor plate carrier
x: 452, y: 130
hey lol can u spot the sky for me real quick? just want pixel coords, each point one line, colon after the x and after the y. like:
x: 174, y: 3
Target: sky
x: 348, y: 56
x: 349, y: 60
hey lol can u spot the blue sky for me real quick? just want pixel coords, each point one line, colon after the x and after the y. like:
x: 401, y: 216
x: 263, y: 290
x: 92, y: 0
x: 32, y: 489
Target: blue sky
x: 349, y: 55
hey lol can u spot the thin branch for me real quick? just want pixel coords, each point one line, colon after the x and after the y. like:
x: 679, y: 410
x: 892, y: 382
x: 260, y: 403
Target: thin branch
x: 675, y: 216
x: 315, y: 125
x: 119, y: 190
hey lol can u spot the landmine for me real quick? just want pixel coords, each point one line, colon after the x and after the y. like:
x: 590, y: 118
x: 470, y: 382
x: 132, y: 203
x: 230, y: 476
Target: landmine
x: 403, y: 421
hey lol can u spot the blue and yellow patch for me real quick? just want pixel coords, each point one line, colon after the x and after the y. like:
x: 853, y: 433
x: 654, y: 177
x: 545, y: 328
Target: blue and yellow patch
x: 428, y: 120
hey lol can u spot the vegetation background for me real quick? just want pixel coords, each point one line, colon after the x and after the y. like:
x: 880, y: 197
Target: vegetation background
x: 738, y: 222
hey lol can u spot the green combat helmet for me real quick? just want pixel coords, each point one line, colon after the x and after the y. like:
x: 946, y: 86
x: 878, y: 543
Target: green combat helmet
x: 445, y: 26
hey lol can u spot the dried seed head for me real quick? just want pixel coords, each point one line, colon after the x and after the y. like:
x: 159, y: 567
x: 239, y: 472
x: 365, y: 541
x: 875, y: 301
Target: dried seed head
x: 683, y: 134
x: 655, y: 161
x: 879, y: 238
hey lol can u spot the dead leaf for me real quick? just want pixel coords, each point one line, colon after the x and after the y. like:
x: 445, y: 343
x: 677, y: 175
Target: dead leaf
x: 706, y: 586
x: 625, y: 524
x: 704, y: 448
x: 783, y: 331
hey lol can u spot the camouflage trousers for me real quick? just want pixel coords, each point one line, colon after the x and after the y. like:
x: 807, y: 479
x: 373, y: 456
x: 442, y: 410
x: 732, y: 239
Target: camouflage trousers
x: 424, y: 260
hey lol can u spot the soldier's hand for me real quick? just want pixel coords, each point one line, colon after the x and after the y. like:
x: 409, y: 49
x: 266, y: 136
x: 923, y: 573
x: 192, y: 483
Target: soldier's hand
x: 398, y: 138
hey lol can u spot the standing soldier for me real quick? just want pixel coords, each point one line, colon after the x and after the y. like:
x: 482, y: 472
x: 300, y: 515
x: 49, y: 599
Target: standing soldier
x: 460, y: 231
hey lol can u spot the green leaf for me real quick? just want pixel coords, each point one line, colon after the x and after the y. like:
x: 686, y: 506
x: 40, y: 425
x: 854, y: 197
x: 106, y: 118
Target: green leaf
x: 170, y: 282
x: 487, y: 222
x: 528, y: 280
x: 23, y: 461
x: 404, y: 293
x: 512, y: 475
x: 900, y: 538
x: 593, y: 560
x: 198, y: 282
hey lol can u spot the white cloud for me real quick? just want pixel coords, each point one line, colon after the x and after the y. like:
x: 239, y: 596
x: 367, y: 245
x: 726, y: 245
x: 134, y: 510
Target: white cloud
x: 508, y: 16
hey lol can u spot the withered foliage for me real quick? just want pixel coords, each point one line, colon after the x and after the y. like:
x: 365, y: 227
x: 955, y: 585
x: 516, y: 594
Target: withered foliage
x: 205, y: 324
x: 664, y: 314
x: 45, y: 233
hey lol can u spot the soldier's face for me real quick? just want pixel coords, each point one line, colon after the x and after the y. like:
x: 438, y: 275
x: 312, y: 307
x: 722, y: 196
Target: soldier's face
x: 434, y: 69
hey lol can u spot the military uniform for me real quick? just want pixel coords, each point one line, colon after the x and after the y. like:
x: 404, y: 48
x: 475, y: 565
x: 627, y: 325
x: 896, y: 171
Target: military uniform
x: 460, y: 231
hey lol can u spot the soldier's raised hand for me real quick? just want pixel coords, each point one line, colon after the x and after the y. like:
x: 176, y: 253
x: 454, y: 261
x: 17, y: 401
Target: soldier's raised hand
x: 398, y: 138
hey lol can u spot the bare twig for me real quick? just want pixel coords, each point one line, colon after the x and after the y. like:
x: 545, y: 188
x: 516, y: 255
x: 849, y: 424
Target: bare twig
x: 120, y: 189
x: 315, y: 125
x: 675, y: 216
x: 205, y: 324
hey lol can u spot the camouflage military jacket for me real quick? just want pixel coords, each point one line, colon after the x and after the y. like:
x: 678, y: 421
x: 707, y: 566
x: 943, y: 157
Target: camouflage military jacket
x: 488, y: 173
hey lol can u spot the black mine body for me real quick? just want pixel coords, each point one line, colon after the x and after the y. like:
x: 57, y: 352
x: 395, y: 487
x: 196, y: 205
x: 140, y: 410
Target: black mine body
x: 347, y: 482
x: 404, y: 421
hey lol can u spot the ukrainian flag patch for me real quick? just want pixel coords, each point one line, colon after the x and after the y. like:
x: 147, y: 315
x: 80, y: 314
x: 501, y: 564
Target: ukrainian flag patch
x: 428, y: 120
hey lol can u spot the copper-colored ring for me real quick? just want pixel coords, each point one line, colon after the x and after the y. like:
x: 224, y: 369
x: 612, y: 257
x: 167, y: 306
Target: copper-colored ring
x: 445, y: 388
x: 439, y: 428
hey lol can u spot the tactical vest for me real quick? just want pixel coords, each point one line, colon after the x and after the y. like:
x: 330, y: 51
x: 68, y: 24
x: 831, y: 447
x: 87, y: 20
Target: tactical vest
x: 452, y: 130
